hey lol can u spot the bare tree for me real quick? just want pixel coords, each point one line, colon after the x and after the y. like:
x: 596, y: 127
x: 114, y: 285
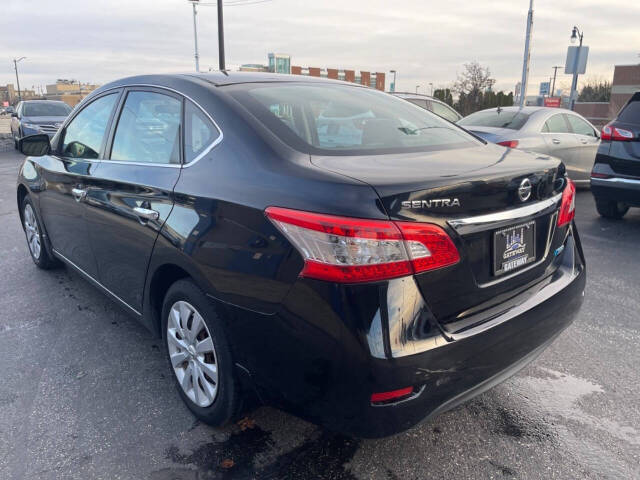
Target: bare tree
x: 470, y: 86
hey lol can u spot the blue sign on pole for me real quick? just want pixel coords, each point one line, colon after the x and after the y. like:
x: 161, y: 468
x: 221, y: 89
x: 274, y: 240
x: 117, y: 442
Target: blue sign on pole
x: 545, y: 87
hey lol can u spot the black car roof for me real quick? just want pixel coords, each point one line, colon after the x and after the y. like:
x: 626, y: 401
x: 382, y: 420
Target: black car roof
x: 219, y: 78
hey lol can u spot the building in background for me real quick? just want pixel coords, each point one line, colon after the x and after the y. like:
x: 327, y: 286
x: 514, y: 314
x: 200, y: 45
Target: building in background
x: 626, y: 81
x: 69, y: 91
x: 374, y: 80
x: 279, y: 63
x: 9, y: 94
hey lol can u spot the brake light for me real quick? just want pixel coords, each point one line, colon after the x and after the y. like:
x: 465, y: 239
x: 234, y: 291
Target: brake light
x: 600, y: 175
x: 509, y: 143
x: 351, y: 250
x: 568, y: 205
x: 610, y: 132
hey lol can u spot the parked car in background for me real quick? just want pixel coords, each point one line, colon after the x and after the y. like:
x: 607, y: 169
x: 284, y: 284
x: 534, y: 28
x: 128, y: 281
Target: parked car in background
x: 8, y: 110
x: 615, y: 178
x: 553, y: 131
x: 432, y: 104
x: 38, y: 116
x: 364, y: 279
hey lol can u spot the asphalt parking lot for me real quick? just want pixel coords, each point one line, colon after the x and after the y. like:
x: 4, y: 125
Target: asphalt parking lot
x: 85, y: 391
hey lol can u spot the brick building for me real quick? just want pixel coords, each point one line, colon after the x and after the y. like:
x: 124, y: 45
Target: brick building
x: 374, y: 80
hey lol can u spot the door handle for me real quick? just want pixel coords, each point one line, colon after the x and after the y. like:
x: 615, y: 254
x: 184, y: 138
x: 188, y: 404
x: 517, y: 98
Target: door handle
x: 583, y: 141
x: 556, y: 141
x: 146, y: 213
x: 78, y: 193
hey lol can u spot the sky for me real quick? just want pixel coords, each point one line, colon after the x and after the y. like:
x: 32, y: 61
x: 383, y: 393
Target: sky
x: 424, y: 41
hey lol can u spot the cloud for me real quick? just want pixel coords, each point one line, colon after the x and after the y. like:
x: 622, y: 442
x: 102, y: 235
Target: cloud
x: 425, y: 41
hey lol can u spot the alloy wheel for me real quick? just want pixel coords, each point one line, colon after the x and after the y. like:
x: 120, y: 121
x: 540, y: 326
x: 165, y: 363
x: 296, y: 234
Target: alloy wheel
x: 192, y: 354
x: 32, y: 231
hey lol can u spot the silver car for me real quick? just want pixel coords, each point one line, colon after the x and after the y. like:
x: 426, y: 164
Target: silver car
x: 432, y: 104
x: 554, y: 131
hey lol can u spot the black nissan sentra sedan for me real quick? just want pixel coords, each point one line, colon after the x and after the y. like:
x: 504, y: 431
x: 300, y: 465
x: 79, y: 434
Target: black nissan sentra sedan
x: 324, y: 247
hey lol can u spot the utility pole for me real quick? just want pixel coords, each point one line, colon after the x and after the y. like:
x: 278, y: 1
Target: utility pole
x: 195, y: 34
x: 527, y: 55
x: 553, y: 88
x: 15, y: 66
x: 220, y: 37
x: 417, y: 86
x: 431, y: 85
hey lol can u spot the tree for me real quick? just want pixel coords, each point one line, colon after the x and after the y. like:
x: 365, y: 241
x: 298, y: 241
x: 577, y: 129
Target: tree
x: 595, y: 91
x: 471, y: 86
x: 444, y: 95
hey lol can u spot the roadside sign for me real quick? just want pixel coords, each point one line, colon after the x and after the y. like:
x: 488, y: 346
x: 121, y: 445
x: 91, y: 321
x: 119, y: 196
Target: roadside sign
x: 545, y: 87
x: 570, y: 64
x: 555, y: 102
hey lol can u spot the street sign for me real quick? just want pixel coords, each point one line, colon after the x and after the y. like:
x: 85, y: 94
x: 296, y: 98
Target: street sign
x: 570, y: 63
x: 545, y: 87
x: 554, y: 102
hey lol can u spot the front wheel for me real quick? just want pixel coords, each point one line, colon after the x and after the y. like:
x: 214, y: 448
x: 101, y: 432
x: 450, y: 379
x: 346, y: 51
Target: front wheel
x: 35, y: 239
x: 611, y: 209
x: 199, y: 354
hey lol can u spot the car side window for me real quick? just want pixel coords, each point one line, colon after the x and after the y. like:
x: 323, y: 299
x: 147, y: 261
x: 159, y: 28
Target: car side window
x: 580, y: 127
x: 84, y: 135
x: 200, y: 132
x: 148, y: 129
x: 556, y: 124
x: 420, y: 103
x: 444, y: 112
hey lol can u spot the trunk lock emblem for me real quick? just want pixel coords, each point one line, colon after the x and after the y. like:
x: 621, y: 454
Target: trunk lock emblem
x: 524, y: 190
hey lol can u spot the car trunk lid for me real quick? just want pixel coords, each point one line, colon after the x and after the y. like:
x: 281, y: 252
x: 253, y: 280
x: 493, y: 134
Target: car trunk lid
x: 472, y: 193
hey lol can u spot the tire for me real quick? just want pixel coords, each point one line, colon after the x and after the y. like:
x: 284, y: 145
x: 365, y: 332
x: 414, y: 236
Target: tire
x: 611, y: 209
x: 35, y: 241
x: 226, y: 404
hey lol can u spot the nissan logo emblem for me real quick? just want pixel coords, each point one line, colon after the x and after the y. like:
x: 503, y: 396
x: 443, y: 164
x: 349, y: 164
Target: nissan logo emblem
x: 524, y: 190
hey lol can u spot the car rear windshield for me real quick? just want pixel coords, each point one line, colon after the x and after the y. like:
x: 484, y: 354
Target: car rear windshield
x: 631, y: 112
x: 510, y: 119
x: 327, y: 119
x: 46, y: 109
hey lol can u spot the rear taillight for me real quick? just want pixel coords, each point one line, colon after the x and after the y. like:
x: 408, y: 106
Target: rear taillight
x: 509, y: 143
x: 350, y: 250
x: 610, y: 132
x: 600, y: 175
x: 568, y: 205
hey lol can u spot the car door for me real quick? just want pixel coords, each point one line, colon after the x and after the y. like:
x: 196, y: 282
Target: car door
x: 584, y: 154
x: 559, y: 140
x: 66, y: 173
x: 132, y: 195
x: 15, y: 121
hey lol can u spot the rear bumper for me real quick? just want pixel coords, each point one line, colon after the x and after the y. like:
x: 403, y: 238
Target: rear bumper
x: 321, y: 359
x: 618, y: 189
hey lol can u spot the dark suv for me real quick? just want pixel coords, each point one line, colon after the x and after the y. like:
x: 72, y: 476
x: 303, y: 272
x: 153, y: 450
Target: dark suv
x: 327, y: 248
x: 615, y: 178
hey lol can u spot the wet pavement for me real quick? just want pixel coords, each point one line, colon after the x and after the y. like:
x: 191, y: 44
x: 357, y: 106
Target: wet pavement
x: 85, y: 392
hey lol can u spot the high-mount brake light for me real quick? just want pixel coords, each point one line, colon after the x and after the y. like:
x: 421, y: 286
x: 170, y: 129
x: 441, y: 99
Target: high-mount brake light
x: 351, y: 250
x: 568, y: 204
x: 618, y: 134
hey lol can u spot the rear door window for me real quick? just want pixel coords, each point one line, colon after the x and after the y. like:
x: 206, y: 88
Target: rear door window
x: 85, y: 134
x: 200, y: 132
x: 148, y: 129
x: 580, y: 127
x: 556, y: 124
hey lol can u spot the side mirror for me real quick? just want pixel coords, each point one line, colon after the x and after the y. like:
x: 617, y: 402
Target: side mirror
x: 14, y: 114
x: 35, y: 145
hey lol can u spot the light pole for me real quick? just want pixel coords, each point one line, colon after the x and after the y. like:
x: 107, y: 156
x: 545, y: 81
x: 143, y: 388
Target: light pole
x: 417, y: 87
x: 221, y: 61
x: 393, y: 85
x: 431, y: 85
x: 575, y: 34
x: 527, y: 54
x: 15, y: 66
